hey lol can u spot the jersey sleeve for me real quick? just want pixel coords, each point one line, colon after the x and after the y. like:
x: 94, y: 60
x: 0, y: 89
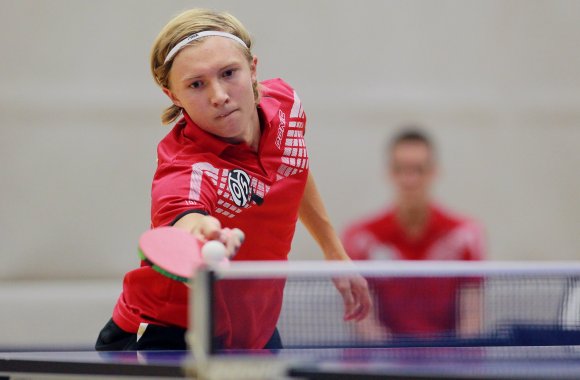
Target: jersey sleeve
x: 179, y: 188
x: 474, y: 243
x: 294, y: 115
x: 297, y: 115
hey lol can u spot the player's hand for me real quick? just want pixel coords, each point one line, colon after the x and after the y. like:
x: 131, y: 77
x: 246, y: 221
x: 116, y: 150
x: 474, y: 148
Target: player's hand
x: 206, y: 228
x: 232, y: 239
x: 356, y: 297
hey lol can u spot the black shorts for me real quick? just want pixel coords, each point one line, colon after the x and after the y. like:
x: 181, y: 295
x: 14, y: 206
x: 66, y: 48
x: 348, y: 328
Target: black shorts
x: 113, y: 338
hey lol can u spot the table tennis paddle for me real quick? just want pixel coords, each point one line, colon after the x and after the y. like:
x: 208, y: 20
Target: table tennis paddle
x: 177, y: 254
x: 173, y: 252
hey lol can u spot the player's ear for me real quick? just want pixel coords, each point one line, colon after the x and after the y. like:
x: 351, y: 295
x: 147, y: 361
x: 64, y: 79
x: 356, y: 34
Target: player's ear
x: 253, y: 68
x: 172, y: 97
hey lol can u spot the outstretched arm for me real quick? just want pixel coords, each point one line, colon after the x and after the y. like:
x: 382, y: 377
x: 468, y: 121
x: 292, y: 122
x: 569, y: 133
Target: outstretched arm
x: 313, y: 215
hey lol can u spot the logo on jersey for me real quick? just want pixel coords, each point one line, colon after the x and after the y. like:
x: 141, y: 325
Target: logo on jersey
x: 240, y: 189
x: 281, y: 127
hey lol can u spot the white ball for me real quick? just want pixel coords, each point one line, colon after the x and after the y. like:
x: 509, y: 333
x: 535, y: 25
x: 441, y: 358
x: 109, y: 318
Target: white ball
x: 213, y: 251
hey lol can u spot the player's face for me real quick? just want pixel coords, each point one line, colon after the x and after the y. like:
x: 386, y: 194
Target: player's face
x: 412, y: 171
x: 212, y: 81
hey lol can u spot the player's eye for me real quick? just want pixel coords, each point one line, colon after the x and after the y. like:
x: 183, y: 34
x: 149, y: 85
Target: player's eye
x: 228, y: 73
x: 196, y: 84
x: 410, y: 169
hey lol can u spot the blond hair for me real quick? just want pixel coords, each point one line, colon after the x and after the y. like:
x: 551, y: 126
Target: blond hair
x: 183, y: 25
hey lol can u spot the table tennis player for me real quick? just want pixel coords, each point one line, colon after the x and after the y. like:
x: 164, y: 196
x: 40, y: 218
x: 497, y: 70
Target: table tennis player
x: 416, y: 227
x: 235, y: 158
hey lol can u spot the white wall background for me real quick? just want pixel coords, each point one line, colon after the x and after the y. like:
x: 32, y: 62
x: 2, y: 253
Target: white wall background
x: 496, y: 82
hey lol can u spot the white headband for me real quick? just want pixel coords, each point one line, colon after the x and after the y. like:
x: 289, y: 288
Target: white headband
x: 199, y: 35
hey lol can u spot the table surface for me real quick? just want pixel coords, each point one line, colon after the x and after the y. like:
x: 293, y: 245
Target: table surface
x: 547, y: 362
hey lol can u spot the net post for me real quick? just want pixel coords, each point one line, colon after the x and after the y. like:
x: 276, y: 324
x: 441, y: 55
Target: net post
x: 199, y: 334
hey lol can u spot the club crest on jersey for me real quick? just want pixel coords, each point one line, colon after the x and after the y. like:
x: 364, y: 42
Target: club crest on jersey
x: 240, y: 189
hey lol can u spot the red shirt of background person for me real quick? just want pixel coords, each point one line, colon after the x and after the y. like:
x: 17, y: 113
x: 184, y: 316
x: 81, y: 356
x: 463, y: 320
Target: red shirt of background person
x: 227, y: 155
x: 415, y: 228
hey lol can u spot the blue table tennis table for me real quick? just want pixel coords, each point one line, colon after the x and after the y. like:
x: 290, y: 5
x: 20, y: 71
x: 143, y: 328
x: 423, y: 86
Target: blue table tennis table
x: 537, y: 362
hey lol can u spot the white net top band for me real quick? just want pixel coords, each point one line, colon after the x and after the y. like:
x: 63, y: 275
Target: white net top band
x: 282, y: 269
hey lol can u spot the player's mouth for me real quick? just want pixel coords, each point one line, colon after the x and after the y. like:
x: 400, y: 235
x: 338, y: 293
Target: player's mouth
x: 226, y: 114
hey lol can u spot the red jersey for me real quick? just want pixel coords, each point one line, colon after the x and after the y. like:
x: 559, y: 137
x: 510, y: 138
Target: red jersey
x: 257, y: 192
x: 413, y: 305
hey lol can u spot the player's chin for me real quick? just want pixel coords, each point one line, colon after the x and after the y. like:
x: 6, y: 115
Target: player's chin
x: 232, y: 133
x: 231, y: 138
x: 413, y: 196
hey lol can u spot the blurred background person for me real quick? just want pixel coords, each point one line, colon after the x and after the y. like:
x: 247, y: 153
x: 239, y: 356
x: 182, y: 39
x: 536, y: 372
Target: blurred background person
x: 416, y: 227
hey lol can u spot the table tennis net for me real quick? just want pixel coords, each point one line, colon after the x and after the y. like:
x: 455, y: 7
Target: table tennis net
x: 415, y: 304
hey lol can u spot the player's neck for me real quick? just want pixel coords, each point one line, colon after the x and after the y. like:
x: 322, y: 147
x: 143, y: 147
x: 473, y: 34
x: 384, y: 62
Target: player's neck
x: 413, y: 217
x: 254, y: 132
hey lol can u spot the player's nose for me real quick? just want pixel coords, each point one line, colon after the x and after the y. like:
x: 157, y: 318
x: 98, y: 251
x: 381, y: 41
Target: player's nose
x: 218, y: 94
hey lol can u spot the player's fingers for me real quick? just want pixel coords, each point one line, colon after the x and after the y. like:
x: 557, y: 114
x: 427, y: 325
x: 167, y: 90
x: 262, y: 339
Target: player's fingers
x: 239, y: 234
x: 362, y: 298
x: 358, y: 310
x: 208, y: 229
x: 232, y: 239
x: 229, y: 241
x: 344, y: 288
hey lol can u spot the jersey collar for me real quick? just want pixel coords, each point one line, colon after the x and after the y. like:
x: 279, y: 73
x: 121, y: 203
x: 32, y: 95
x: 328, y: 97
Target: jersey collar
x: 270, y: 107
x: 209, y: 142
